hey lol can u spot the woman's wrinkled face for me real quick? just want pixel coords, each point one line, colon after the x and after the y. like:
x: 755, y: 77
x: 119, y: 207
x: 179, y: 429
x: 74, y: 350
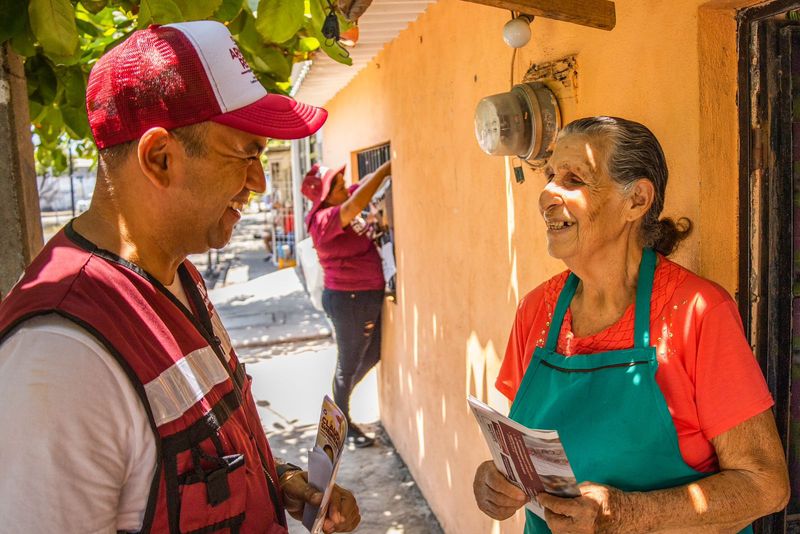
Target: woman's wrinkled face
x: 581, y: 205
x: 338, y: 194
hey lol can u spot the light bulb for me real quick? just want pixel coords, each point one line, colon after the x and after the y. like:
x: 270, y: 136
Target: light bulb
x: 517, y: 31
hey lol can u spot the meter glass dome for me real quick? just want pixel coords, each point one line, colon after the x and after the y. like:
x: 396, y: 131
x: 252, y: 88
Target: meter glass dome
x: 523, y: 122
x: 502, y: 125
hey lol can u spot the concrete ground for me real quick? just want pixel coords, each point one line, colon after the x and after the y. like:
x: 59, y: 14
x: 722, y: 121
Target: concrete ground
x: 287, y: 347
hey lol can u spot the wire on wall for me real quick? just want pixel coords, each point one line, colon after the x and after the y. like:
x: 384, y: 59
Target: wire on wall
x: 513, y: 57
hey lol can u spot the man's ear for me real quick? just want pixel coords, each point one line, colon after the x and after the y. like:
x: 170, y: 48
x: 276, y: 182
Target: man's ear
x: 640, y: 198
x: 157, y: 151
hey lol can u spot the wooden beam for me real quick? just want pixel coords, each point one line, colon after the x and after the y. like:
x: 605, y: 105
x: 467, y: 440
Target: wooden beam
x: 20, y: 223
x: 594, y: 13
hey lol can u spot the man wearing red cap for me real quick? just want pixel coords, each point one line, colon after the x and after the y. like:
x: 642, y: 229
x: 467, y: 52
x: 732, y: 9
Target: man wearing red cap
x: 353, y: 277
x: 127, y: 409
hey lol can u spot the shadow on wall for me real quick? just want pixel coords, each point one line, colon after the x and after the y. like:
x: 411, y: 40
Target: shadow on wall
x: 427, y: 333
x: 427, y: 377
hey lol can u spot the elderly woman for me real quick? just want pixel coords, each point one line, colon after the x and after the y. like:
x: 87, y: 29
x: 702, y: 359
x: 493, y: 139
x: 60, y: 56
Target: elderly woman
x: 353, y: 276
x: 641, y: 365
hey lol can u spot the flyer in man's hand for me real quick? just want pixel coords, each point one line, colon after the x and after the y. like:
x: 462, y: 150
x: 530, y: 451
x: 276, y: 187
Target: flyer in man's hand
x: 533, y: 460
x: 323, y: 461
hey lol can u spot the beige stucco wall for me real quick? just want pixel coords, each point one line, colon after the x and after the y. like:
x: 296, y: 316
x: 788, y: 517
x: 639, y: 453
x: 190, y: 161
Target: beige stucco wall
x: 469, y: 239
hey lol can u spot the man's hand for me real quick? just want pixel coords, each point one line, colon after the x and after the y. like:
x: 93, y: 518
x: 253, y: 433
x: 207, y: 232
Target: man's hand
x: 496, y: 496
x: 595, y: 511
x: 343, y: 514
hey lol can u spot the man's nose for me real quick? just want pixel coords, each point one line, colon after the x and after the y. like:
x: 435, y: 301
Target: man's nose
x: 256, y: 181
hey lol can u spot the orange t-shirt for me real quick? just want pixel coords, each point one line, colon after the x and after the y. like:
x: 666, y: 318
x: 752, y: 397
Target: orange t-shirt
x: 706, y: 369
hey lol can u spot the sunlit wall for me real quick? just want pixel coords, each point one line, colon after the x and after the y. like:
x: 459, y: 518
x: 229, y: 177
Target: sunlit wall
x: 469, y: 239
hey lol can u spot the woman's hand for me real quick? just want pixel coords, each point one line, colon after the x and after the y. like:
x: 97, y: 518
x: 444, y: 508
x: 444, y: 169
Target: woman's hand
x: 595, y: 511
x: 496, y: 496
x: 361, y: 196
x: 385, y: 168
x: 343, y: 513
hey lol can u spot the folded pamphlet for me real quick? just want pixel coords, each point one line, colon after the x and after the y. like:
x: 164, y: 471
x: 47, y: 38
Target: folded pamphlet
x: 323, y: 461
x: 533, y: 460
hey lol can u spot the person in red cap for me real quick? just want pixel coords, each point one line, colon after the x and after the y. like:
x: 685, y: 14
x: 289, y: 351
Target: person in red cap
x: 353, y: 276
x: 127, y: 409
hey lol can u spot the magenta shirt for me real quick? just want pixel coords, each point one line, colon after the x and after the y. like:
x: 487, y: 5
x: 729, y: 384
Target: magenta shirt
x: 350, y: 262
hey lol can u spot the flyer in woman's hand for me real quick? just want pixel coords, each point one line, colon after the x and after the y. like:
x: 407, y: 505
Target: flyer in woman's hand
x: 323, y: 461
x: 533, y: 460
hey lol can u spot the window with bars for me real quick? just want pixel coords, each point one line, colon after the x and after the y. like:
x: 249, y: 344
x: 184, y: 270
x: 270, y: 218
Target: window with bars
x: 381, y: 212
x: 372, y: 158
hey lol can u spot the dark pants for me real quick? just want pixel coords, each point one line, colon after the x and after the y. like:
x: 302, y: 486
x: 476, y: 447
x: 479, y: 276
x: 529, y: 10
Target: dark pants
x: 356, y: 317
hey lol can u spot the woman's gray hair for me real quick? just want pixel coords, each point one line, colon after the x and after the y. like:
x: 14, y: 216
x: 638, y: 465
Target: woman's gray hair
x: 634, y: 153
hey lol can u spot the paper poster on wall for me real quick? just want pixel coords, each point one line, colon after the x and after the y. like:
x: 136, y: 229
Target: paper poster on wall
x: 381, y: 217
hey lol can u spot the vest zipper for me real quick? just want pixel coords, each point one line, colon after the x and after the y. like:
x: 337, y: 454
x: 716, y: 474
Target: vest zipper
x: 206, y: 328
x: 207, y: 332
x: 216, y: 344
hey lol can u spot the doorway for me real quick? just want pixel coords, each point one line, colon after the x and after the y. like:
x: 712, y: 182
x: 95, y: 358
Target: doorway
x: 769, y: 218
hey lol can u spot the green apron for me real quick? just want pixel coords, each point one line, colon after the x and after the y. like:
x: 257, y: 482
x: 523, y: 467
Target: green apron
x: 607, y: 407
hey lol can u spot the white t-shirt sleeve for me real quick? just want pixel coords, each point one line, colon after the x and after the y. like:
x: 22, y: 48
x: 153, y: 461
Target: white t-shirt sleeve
x: 77, y: 454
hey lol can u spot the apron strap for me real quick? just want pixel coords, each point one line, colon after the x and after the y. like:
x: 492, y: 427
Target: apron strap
x: 644, y: 291
x: 564, y: 298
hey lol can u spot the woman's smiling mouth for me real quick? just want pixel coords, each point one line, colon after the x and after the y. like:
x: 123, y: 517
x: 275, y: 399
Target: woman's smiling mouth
x: 558, y: 225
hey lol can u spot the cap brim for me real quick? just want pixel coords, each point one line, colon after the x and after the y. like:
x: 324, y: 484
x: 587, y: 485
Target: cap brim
x: 327, y: 181
x: 276, y: 116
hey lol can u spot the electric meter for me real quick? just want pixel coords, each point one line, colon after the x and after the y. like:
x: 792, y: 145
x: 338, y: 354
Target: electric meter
x: 523, y: 122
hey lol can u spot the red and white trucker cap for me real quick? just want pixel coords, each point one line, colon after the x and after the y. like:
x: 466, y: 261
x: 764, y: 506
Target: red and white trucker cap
x: 182, y: 74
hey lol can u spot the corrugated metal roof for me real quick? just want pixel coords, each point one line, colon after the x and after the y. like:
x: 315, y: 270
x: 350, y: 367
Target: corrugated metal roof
x: 318, y: 81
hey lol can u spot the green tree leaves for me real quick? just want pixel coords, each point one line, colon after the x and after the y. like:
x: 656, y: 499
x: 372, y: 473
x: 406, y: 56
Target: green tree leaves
x: 198, y: 9
x: 62, y: 39
x: 42, y: 81
x: 228, y: 10
x: 53, y: 24
x: 73, y: 80
x: 11, y: 23
x: 307, y: 44
x: 158, y: 12
x: 94, y: 6
x: 332, y: 48
x: 279, y: 20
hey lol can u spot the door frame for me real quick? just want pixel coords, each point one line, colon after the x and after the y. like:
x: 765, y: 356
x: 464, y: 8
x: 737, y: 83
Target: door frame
x: 766, y: 207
